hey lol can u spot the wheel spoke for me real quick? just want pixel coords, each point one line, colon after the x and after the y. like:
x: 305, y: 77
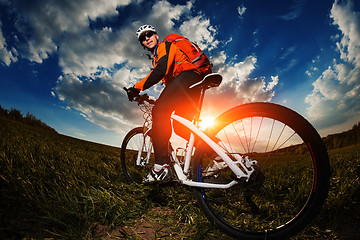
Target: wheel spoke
x: 257, y: 135
x: 272, y: 128
x: 278, y: 137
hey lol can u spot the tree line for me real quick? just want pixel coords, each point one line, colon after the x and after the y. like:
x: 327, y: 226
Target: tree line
x: 332, y: 141
x: 29, y: 119
x: 343, y: 139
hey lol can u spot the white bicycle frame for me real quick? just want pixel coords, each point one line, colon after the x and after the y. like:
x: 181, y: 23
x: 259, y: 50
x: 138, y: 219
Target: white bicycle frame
x: 241, y: 173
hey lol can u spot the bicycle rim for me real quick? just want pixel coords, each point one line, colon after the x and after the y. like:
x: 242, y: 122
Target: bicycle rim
x: 291, y: 181
x: 135, y: 141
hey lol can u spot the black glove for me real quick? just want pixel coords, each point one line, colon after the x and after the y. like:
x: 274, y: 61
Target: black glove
x: 132, y: 93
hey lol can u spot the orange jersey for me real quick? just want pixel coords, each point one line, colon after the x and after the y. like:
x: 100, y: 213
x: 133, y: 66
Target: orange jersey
x: 168, y: 62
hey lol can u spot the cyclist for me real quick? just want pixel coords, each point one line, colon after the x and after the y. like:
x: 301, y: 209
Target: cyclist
x: 173, y: 68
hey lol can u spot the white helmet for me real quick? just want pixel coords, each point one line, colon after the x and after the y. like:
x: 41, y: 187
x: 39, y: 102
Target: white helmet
x: 144, y: 28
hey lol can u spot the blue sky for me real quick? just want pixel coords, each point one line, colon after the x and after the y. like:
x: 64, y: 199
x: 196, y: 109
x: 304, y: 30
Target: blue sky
x: 67, y: 61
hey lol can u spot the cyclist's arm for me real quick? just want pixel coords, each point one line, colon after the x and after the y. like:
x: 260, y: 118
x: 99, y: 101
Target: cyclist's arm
x: 160, y: 69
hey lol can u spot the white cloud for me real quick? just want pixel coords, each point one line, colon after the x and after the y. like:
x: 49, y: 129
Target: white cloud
x: 238, y: 72
x: 52, y: 21
x: 349, y: 24
x: 84, y: 54
x: 97, y: 63
x: 336, y: 93
x: 164, y: 14
x: 218, y: 59
x: 237, y: 86
x: 100, y: 98
x: 92, y: 81
x: 273, y: 83
x: 6, y: 56
x: 241, y: 10
x: 311, y: 71
x: 204, y: 35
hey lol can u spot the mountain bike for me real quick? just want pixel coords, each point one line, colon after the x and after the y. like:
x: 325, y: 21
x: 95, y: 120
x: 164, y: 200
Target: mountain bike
x: 261, y: 171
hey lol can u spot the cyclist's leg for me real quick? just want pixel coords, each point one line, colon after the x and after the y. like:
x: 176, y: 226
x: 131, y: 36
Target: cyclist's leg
x: 186, y: 109
x: 175, y: 96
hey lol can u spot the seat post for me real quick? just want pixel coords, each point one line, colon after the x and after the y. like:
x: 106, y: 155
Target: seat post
x: 199, y: 106
x: 209, y: 81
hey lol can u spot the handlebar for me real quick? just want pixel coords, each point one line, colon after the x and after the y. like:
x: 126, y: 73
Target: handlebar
x: 140, y: 99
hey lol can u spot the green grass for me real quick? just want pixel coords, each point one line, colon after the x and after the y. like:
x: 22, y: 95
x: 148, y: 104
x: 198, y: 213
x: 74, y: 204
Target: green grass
x: 53, y: 186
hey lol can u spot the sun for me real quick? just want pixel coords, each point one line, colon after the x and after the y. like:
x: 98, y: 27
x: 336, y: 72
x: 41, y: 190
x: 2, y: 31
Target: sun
x: 206, y: 122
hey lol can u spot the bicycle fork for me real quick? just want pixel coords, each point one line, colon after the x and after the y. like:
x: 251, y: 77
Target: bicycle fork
x: 140, y: 160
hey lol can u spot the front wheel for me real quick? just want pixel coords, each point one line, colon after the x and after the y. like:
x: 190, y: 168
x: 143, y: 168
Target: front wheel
x: 291, y: 178
x: 137, y: 156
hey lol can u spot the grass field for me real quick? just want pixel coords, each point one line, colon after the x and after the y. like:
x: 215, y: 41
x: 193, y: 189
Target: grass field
x: 57, y: 187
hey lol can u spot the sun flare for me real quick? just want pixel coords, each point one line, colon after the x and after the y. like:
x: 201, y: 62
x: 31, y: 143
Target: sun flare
x: 206, y: 122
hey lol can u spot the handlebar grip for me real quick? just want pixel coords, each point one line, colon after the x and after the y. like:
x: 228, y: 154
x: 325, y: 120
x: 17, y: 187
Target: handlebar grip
x: 140, y: 98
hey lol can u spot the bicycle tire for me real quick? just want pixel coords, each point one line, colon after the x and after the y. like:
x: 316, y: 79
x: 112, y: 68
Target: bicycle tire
x: 284, y: 202
x: 135, y: 173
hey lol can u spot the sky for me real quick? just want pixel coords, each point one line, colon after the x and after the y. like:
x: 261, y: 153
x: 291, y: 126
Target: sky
x: 67, y: 61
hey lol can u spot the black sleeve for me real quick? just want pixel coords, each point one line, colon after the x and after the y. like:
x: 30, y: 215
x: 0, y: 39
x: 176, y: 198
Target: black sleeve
x: 159, y: 71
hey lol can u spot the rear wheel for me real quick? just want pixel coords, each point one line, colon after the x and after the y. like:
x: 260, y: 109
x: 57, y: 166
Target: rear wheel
x: 291, y: 180
x: 137, y: 157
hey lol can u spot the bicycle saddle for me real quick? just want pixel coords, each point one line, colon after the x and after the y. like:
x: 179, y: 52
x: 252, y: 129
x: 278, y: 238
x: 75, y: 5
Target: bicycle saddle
x: 209, y: 81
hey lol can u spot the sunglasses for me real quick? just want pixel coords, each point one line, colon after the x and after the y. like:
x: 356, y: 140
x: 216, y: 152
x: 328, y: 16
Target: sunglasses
x: 143, y: 36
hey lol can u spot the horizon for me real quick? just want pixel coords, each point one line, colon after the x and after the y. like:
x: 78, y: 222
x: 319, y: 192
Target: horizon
x: 66, y: 62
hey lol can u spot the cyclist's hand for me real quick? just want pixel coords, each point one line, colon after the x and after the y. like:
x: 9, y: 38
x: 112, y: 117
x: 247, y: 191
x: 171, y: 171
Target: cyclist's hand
x: 132, y: 93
